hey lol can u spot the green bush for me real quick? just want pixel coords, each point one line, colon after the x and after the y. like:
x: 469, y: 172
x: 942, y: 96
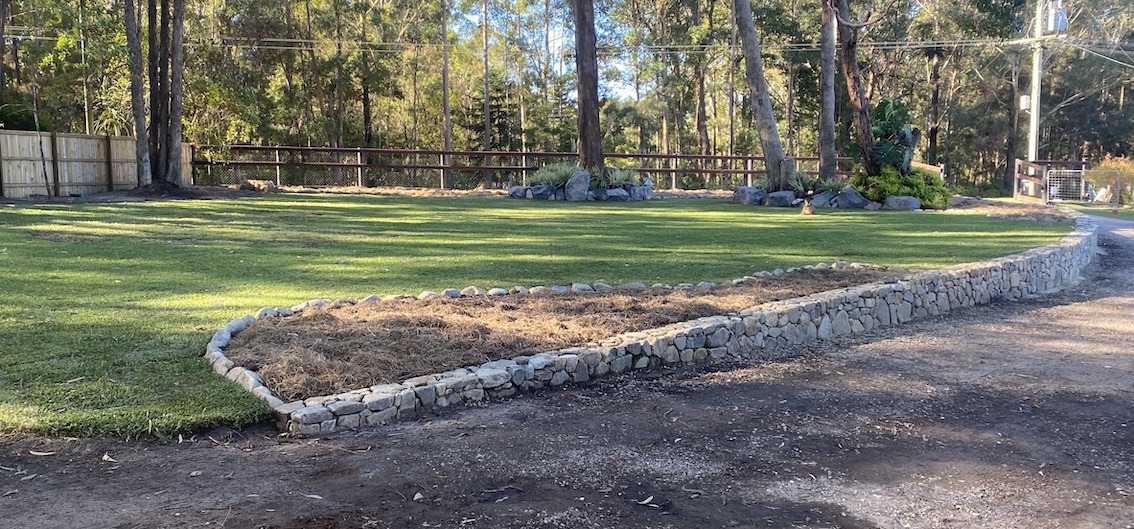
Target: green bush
x: 616, y: 177
x: 831, y: 185
x: 800, y: 182
x: 926, y: 186
x: 895, y: 140
x: 17, y: 116
x: 555, y: 174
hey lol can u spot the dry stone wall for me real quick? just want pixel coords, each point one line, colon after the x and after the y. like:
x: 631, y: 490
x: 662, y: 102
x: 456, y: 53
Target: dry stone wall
x: 750, y: 335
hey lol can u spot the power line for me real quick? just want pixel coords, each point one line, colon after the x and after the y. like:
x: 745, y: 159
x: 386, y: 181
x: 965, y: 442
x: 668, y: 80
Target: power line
x: 299, y: 44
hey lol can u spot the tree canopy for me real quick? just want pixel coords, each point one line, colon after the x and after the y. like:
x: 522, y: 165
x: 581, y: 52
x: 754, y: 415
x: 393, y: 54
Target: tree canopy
x: 671, y: 75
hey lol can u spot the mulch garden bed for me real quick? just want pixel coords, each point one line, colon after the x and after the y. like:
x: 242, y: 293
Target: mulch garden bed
x: 333, y: 349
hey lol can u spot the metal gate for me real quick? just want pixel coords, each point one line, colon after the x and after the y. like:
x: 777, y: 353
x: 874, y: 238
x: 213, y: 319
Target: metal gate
x: 1049, y: 181
x: 1066, y: 185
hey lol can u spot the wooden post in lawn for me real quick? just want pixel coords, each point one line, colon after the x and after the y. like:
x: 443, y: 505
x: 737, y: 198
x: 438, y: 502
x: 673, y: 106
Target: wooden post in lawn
x: 586, y: 71
x: 359, y: 160
x: 109, y: 164
x: 55, y: 162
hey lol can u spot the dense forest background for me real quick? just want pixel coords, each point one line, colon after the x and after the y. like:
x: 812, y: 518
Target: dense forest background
x: 369, y: 73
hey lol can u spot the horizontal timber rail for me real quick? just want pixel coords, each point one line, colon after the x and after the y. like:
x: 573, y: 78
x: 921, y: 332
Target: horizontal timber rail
x: 377, y: 167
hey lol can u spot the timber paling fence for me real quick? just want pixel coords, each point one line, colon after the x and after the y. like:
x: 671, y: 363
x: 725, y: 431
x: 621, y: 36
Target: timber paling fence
x: 54, y: 164
x: 366, y: 167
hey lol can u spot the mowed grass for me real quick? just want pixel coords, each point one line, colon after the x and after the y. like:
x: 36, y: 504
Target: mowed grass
x: 1103, y: 210
x: 105, y: 309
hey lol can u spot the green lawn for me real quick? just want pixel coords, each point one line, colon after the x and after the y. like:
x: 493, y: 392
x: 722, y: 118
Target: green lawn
x: 1103, y: 210
x: 105, y: 309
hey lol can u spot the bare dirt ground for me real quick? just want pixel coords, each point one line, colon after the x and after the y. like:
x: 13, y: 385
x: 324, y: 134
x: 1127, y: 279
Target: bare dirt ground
x: 1010, y: 415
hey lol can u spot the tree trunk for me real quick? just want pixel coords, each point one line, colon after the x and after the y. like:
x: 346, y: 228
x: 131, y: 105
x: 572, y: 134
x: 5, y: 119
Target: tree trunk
x: 935, y: 106
x: 4, y: 7
x: 447, y: 119
x: 1013, y: 139
x: 774, y: 159
x: 586, y: 64
x: 828, y: 163
x: 176, y: 94
x: 364, y: 81
x: 159, y: 108
x: 860, y: 104
x: 487, y: 99
x: 701, y: 117
x: 137, y: 96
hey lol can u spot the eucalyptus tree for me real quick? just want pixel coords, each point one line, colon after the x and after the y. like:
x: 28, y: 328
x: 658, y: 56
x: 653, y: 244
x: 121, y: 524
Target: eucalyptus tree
x: 778, y: 167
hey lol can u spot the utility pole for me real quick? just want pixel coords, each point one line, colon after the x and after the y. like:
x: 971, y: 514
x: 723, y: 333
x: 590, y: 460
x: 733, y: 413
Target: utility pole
x: 1037, y: 78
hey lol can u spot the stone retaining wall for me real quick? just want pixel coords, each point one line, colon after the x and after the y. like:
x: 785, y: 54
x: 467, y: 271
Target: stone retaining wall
x: 748, y: 335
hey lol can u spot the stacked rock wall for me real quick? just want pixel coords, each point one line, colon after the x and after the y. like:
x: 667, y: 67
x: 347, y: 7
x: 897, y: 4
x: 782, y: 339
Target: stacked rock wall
x: 751, y: 334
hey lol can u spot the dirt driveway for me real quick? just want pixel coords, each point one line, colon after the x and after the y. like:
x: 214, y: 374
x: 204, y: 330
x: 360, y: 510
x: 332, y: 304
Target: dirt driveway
x: 1011, y: 415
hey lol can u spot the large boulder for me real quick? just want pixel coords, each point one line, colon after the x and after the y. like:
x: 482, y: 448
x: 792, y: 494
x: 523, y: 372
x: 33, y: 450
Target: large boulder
x: 617, y: 194
x: 543, y: 191
x: 901, y: 203
x: 518, y: 191
x: 638, y: 193
x: 782, y: 199
x: 850, y: 198
x: 748, y: 195
x: 598, y: 194
x: 578, y: 187
x: 825, y: 199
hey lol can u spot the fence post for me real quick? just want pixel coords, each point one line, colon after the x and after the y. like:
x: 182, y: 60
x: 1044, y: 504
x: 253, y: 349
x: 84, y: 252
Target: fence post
x: 279, y: 181
x: 524, y: 162
x: 673, y: 174
x: 55, y: 163
x: 444, y: 170
x: 359, y: 159
x: 109, y: 164
x: 748, y: 170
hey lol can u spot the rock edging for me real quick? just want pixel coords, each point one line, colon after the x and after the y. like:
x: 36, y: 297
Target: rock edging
x: 747, y: 335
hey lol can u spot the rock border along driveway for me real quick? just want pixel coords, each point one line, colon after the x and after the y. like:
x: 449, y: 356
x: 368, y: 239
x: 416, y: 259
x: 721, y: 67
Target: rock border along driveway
x: 742, y: 336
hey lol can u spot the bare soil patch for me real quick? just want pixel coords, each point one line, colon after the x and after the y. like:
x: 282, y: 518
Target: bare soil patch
x: 1010, y: 210
x: 333, y: 349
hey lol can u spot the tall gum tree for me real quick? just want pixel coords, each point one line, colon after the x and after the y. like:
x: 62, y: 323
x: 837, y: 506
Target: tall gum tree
x: 777, y: 165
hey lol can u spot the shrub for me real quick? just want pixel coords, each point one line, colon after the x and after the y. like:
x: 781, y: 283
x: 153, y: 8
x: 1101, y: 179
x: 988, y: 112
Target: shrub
x: 895, y: 140
x: 555, y: 174
x: 800, y: 182
x: 829, y: 185
x: 615, y: 176
x: 926, y: 186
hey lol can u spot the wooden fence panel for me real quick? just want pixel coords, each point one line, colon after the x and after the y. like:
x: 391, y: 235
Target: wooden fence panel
x: 122, y: 159
x: 25, y: 170
x: 81, y: 163
x: 73, y: 164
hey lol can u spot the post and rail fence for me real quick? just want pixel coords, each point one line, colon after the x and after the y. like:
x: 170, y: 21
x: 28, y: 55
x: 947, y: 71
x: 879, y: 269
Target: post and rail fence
x: 56, y: 164
x: 373, y: 167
